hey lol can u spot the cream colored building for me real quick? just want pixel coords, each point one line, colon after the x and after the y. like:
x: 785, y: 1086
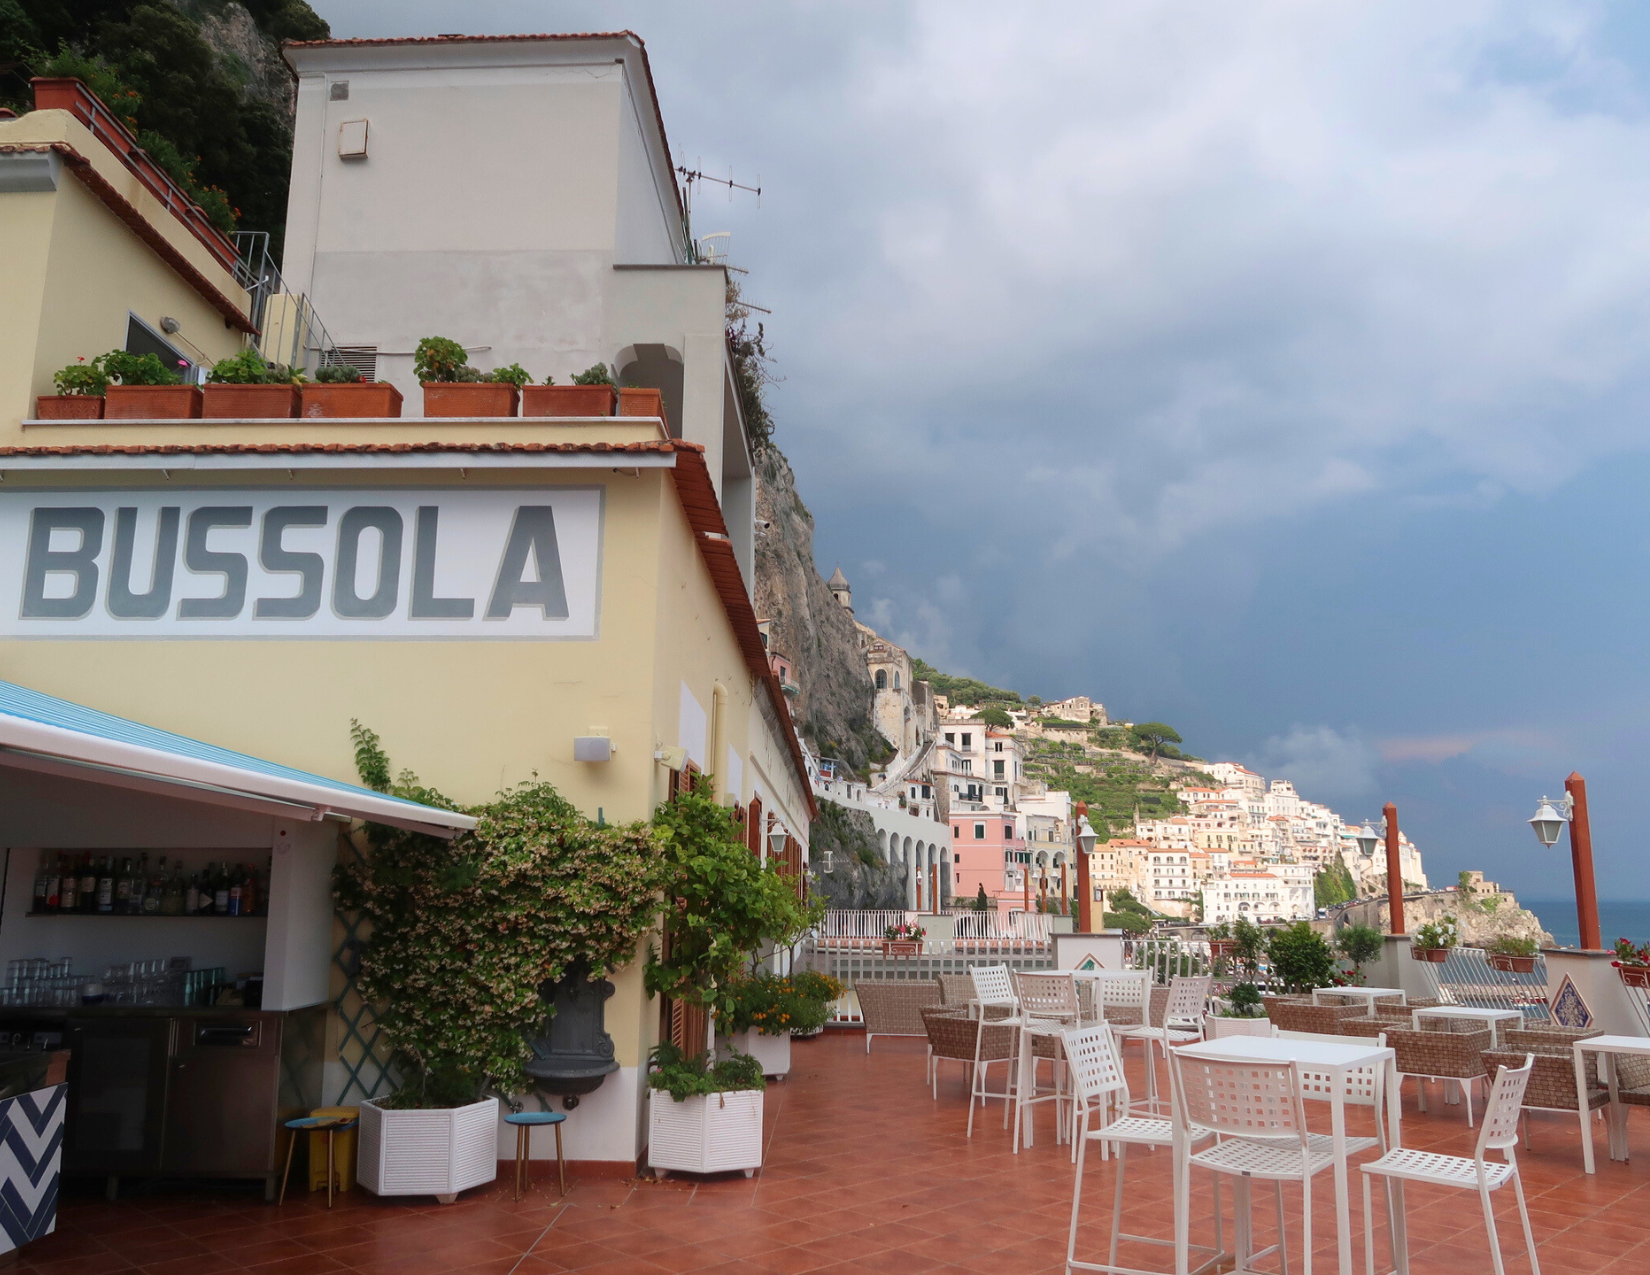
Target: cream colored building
x: 499, y: 598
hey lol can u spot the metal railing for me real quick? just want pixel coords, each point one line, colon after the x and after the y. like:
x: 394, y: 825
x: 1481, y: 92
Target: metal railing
x: 289, y: 330
x: 859, y: 928
x: 986, y: 927
x: 1466, y: 977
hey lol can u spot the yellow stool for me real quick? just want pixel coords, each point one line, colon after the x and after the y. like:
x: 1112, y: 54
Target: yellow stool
x: 343, y: 1152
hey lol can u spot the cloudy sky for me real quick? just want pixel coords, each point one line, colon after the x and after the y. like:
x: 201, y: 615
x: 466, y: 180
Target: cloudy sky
x: 1279, y: 370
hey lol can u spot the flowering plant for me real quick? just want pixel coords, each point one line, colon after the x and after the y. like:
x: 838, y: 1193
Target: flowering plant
x: 776, y: 1005
x: 906, y: 931
x: 1627, y: 954
x: 466, y: 934
x: 81, y: 377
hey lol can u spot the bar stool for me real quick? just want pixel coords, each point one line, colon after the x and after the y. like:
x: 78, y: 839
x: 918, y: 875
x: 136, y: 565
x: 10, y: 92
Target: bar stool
x: 329, y: 1125
x: 525, y: 1122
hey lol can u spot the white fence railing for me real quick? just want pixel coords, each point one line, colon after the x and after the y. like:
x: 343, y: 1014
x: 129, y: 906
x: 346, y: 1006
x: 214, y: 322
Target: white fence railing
x: 1466, y: 978
x: 990, y: 927
x: 859, y: 928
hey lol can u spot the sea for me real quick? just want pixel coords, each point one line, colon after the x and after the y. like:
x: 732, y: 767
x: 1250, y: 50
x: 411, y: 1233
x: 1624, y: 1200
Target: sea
x: 1617, y: 919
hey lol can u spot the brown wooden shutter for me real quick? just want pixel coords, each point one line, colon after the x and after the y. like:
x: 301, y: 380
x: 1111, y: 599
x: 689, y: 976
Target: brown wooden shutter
x: 753, y: 827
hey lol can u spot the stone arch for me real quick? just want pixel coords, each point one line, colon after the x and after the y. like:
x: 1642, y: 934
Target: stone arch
x: 655, y: 367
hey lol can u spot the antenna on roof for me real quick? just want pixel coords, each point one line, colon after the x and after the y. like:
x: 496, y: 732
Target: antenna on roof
x: 689, y: 177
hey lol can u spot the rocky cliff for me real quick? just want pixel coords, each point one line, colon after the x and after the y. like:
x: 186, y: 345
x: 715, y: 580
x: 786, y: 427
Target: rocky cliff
x: 858, y: 877
x: 1480, y: 917
x: 833, y: 708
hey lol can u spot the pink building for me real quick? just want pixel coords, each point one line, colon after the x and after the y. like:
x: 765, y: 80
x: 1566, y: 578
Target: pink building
x: 988, y: 847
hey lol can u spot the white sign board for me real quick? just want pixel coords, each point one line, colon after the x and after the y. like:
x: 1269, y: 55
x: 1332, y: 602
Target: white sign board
x: 301, y: 563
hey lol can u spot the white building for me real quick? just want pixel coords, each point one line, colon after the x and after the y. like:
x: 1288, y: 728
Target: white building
x: 1257, y: 897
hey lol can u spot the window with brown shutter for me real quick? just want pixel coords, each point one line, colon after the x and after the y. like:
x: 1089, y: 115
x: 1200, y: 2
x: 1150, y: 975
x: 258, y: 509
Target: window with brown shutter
x: 753, y: 827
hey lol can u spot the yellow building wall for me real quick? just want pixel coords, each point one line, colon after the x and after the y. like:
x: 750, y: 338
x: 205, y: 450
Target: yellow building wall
x: 25, y: 248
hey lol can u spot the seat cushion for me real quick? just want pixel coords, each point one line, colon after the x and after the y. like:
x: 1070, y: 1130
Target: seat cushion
x: 534, y: 1117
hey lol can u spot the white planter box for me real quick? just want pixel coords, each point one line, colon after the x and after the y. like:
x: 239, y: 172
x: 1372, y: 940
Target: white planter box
x: 707, y: 1133
x: 437, y: 1153
x: 773, y: 1052
x: 1216, y: 1027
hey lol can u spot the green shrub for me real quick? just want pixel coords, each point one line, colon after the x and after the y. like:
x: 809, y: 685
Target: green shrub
x: 437, y: 359
x: 595, y: 374
x: 1511, y: 945
x: 1360, y: 944
x: 1244, y: 998
x: 514, y: 374
x: 338, y: 374
x: 249, y: 368
x: 138, y: 369
x: 777, y: 1005
x: 81, y: 377
x: 682, y: 1076
x: 1301, y: 960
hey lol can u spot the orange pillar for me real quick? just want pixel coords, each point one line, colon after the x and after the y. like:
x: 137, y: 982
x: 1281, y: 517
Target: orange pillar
x: 1394, y: 869
x: 1581, y: 859
x: 1085, y: 899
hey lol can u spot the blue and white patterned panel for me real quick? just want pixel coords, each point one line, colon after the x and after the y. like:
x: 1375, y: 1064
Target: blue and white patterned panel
x: 1568, y: 1007
x: 31, y: 1162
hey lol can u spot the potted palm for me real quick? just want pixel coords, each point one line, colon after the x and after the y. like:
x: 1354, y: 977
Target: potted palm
x: 80, y: 390
x: 592, y: 393
x: 340, y: 391
x: 1511, y: 955
x: 1433, y: 941
x: 147, y: 389
x: 246, y: 386
x: 465, y: 941
x: 1633, y: 964
x: 721, y: 905
x: 453, y: 388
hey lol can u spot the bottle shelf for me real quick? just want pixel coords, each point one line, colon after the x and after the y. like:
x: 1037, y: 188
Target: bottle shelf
x: 153, y: 916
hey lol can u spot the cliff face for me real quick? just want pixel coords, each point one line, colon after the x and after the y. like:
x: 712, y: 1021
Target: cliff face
x: 859, y: 877
x: 833, y: 710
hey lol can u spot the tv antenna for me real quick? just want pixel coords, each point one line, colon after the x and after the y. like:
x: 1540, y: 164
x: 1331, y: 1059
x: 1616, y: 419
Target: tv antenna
x: 692, y: 175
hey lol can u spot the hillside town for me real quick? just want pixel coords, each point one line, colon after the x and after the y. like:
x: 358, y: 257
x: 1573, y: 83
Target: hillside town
x: 960, y: 815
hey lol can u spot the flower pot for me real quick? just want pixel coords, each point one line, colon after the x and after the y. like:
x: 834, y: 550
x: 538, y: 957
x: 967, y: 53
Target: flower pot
x: 1215, y: 1026
x: 152, y: 403
x: 470, y: 398
x: 1512, y: 964
x: 568, y: 400
x: 69, y: 407
x: 1221, y: 948
x: 1633, y: 975
x: 1435, y: 955
x: 249, y: 402
x: 901, y: 947
x: 362, y: 398
x: 707, y: 1133
x: 773, y: 1052
x: 640, y: 402
x: 439, y: 1152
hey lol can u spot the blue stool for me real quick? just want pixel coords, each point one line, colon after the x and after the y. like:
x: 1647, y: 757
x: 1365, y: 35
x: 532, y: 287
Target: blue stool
x: 312, y: 1124
x: 525, y: 1121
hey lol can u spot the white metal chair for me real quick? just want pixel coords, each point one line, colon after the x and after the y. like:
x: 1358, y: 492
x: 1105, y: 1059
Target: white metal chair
x: 1048, y: 1005
x: 993, y: 991
x: 1258, y: 1112
x: 1182, y: 1024
x: 1499, y: 1132
x: 1100, y: 1091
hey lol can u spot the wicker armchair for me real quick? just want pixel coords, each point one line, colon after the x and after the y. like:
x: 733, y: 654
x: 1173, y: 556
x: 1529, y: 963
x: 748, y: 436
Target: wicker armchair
x: 893, y: 1007
x: 1370, y: 1027
x: 1270, y: 1002
x: 952, y: 1036
x: 1442, y: 1055
x: 1553, y: 1082
x: 956, y: 989
x: 1303, y: 1016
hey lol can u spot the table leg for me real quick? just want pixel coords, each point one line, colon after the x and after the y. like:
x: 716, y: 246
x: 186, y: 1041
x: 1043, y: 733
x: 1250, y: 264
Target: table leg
x: 1586, y: 1112
x: 1343, y: 1211
x: 1616, y: 1115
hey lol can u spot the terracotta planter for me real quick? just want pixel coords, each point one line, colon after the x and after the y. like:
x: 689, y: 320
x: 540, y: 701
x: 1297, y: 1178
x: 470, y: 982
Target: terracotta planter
x: 1633, y: 975
x: 568, y: 400
x: 639, y: 402
x: 901, y: 947
x: 470, y: 398
x: 69, y: 407
x: 1220, y: 949
x: 249, y: 402
x: 1434, y: 955
x: 153, y: 403
x: 363, y: 398
x: 1512, y: 964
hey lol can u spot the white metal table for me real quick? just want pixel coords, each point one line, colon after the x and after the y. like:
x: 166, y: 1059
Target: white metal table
x: 1490, y: 1017
x: 1329, y: 1071
x: 1608, y: 1049
x: 1369, y: 995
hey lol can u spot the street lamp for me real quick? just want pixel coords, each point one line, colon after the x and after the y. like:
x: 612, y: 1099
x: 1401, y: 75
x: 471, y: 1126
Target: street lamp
x: 1547, y: 822
x: 776, y: 841
x: 1367, y: 837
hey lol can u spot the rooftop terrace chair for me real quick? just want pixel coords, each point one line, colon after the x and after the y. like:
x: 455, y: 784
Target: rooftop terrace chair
x: 956, y: 989
x: 1303, y: 1016
x: 1181, y: 1023
x: 1499, y: 1133
x: 893, y: 1007
x: 1442, y: 1055
x: 1552, y: 1083
x: 1048, y: 1006
x: 1101, y: 1113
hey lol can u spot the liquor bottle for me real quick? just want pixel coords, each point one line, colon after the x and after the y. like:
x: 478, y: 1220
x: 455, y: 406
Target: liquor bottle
x: 220, y: 891
x: 86, y: 887
x: 123, y: 887
x: 54, y: 884
x: 192, y: 896
x: 68, y: 890
x: 42, y: 887
x: 106, y: 885
x: 153, y: 888
x: 140, y: 884
x: 171, y: 897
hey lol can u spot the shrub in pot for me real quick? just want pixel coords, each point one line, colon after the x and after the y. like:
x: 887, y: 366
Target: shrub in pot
x: 247, y: 386
x: 704, y: 1117
x: 1511, y: 955
x: 768, y: 1008
x: 80, y: 390
x: 340, y: 391
x: 592, y: 393
x: 1242, y: 1013
x: 463, y: 939
x: 147, y: 389
x: 1360, y: 944
x: 1433, y: 940
x: 453, y: 388
x: 1301, y: 960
